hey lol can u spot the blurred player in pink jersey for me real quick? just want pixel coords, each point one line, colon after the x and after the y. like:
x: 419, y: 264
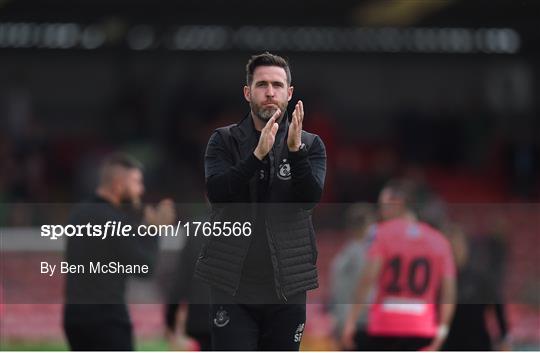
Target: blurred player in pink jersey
x: 410, y: 265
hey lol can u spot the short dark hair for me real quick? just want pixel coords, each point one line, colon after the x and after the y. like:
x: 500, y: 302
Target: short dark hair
x: 405, y: 189
x: 266, y: 59
x: 122, y: 159
x: 110, y: 165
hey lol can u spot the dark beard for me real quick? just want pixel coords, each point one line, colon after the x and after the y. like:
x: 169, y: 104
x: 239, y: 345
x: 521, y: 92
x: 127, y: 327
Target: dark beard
x: 265, y: 114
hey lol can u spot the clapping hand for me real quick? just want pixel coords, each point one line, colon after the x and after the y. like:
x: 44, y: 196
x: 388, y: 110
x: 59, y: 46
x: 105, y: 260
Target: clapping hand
x: 295, y: 128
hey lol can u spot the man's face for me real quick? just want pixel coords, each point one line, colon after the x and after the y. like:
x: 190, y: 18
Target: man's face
x: 390, y: 204
x: 133, y: 186
x: 268, y: 91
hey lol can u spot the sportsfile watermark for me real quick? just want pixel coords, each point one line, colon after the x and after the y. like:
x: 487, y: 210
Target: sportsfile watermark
x: 35, y: 261
x: 120, y: 229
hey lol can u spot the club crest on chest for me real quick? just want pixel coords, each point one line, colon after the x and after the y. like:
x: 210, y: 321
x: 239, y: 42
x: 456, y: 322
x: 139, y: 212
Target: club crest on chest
x: 284, y: 170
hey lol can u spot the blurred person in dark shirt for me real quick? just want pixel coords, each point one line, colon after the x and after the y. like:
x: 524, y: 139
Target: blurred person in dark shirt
x: 95, y: 312
x: 477, y: 299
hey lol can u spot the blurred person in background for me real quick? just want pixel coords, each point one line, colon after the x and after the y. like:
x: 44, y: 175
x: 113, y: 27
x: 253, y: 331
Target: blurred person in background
x: 187, y: 311
x: 95, y: 312
x: 267, y: 172
x: 477, y: 300
x: 412, y: 269
x: 347, y: 266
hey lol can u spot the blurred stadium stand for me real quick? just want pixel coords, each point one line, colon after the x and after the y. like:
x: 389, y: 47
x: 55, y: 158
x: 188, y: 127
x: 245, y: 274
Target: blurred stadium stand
x: 453, y: 92
x: 445, y: 92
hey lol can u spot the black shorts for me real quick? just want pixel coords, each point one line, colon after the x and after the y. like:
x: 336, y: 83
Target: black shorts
x: 391, y: 343
x: 253, y: 327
